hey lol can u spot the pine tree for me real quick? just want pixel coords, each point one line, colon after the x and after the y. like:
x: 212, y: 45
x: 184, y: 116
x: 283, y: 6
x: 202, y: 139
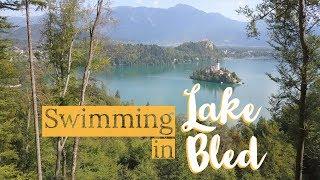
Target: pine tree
x: 291, y: 28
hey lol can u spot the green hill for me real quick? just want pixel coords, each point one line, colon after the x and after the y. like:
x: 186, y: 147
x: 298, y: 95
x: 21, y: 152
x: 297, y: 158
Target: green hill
x: 130, y: 54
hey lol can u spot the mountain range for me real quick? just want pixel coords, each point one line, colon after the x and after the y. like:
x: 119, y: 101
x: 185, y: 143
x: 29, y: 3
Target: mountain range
x: 171, y: 26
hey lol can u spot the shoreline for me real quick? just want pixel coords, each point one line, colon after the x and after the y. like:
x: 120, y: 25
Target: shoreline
x: 262, y: 58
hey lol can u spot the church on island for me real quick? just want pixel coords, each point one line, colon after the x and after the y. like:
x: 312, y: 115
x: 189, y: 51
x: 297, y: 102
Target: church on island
x: 214, y: 73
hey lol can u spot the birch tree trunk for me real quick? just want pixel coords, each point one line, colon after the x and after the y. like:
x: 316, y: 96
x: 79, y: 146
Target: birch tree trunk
x: 64, y: 160
x: 61, y: 140
x: 69, y: 69
x: 85, y: 81
x: 34, y: 92
x: 60, y: 146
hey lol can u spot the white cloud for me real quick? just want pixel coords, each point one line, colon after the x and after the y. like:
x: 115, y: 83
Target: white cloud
x: 156, y: 3
x: 139, y: 2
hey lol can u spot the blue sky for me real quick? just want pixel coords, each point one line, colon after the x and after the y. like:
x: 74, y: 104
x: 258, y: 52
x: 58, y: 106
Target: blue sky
x: 225, y: 7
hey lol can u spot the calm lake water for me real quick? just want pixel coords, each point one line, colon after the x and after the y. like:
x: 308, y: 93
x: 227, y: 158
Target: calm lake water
x: 163, y: 85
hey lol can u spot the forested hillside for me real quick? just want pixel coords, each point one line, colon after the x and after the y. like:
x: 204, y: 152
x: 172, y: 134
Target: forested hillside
x: 129, y: 54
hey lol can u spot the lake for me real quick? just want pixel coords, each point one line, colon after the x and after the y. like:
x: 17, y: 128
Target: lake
x: 163, y: 85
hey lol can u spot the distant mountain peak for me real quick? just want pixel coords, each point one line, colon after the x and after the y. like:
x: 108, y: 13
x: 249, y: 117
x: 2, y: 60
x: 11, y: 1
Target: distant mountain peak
x: 178, y: 24
x: 183, y: 6
x: 171, y: 26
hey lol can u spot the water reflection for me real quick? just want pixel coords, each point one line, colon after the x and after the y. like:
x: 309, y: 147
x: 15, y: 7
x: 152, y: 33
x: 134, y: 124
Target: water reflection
x: 138, y: 71
x: 216, y: 89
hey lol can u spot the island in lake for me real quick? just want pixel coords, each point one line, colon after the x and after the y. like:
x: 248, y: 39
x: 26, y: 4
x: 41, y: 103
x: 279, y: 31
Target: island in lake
x: 216, y: 74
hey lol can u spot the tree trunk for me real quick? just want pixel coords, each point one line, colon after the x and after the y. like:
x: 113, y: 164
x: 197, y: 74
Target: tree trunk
x: 34, y: 93
x: 74, y: 157
x: 63, y: 94
x: 85, y: 82
x: 58, y: 160
x: 303, y: 91
x: 84, y: 87
x: 69, y: 69
x: 64, y: 169
x: 60, y: 147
